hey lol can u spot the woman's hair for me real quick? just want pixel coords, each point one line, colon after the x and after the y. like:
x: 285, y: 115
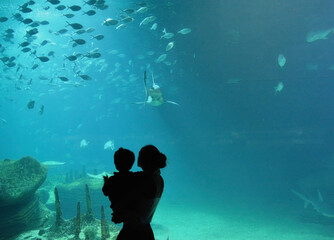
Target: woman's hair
x: 124, y: 159
x: 150, y: 158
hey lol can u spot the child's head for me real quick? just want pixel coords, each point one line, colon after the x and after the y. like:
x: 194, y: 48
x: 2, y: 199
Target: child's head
x: 124, y: 159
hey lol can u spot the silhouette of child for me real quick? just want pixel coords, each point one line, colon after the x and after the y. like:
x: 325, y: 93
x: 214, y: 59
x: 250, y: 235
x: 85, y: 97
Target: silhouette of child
x: 118, y: 186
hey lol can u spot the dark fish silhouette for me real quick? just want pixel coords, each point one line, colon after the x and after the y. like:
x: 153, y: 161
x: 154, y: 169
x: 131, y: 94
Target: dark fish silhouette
x: 3, y: 19
x: 41, y: 110
x: 90, y: 13
x: 26, y: 10
x: 79, y: 41
x: 64, y: 79
x: 68, y: 15
x: 75, y: 26
x: 98, y: 37
x: 60, y: 7
x: 43, y: 59
x: 75, y: 8
x: 53, y: 2
x: 31, y: 104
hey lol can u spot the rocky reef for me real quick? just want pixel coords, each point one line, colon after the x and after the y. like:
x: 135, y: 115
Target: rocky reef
x: 81, y: 227
x: 19, y: 207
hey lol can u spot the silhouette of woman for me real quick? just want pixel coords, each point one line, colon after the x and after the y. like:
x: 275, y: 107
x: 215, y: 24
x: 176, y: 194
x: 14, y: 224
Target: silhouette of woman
x: 146, y: 196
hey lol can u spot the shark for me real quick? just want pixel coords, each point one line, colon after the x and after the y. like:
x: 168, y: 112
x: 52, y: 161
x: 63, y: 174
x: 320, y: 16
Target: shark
x: 53, y: 163
x: 98, y: 176
x: 318, y: 35
x: 154, y: 95
x: 317, y: 204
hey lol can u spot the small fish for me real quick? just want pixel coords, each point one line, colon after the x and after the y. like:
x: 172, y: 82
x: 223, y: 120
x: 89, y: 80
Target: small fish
x: 142, y: 10
x: 34, y: 24
x: 43, y: 59
x: 27, y: 21
x: 109, y: 145
x: 161, y: 58
x: 81, y: 31
x: 4, y: 121
x: 75, y: 26
x: 166, y: 35
x: 26, y: 49
x: 110, y: 22
x: 85, y: 77
x: 64, y: 79
x: 51, y: 54
x: 54, y: 2
x: 9, y: 30
x: 93, y: 55
x: 74, y: 8
x: 41, y: 110
x: 154, y: 26
x: 69, y: 15
x: 84, y: 143
x: 44, y: 22
x: 90, y: 13
x: 90, y: 30
x: 26, y: 10
x: 4, y: 59
x: 31, y: 104
x: 24, y: 44
x: 11, y: 64
x: 127, y: 19
x: 184, y: 31
x: 279, y: 87
x: 34, y: 66
x: 90, y: 2
x: 71, y: 58
x: 32, y: 31
x: 62, y: 31
x: 147, y: 20
x: 281, y: 60
x: 79, y: 41
x: 3, y: 19
x: 128, y: 11
x: 61, y: 7
x: 45, y: 42
x: 98, y: 37
x: 169, y: 46
x: 121, y: 26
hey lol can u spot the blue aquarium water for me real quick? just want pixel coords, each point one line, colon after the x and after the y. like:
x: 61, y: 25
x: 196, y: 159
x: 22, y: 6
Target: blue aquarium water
x: 238, y: 95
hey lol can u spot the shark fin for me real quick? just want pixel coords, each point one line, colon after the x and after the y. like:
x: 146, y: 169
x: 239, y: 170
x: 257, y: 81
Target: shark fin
x: 173, y: 103
x: 320, y: 198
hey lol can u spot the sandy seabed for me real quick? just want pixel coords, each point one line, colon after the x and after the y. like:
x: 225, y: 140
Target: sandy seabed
x: 193, y: 222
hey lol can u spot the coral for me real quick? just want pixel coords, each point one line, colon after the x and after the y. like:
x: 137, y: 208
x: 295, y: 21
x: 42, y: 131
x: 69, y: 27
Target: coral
x: 103, y: 225
x: 90, y: 233
x: 77, y: 223
x: 58, y: 209
x: 89, y: 214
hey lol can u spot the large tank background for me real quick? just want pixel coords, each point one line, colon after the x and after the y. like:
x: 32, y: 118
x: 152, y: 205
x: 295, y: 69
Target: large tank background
x: 229, y: 145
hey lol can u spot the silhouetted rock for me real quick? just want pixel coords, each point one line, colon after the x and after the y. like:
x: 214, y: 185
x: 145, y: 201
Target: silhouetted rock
x: 20, y: 179
x: 20, y: 209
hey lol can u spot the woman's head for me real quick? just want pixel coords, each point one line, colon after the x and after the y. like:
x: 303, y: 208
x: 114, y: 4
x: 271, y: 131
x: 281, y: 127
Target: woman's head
x: 151, y: 159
